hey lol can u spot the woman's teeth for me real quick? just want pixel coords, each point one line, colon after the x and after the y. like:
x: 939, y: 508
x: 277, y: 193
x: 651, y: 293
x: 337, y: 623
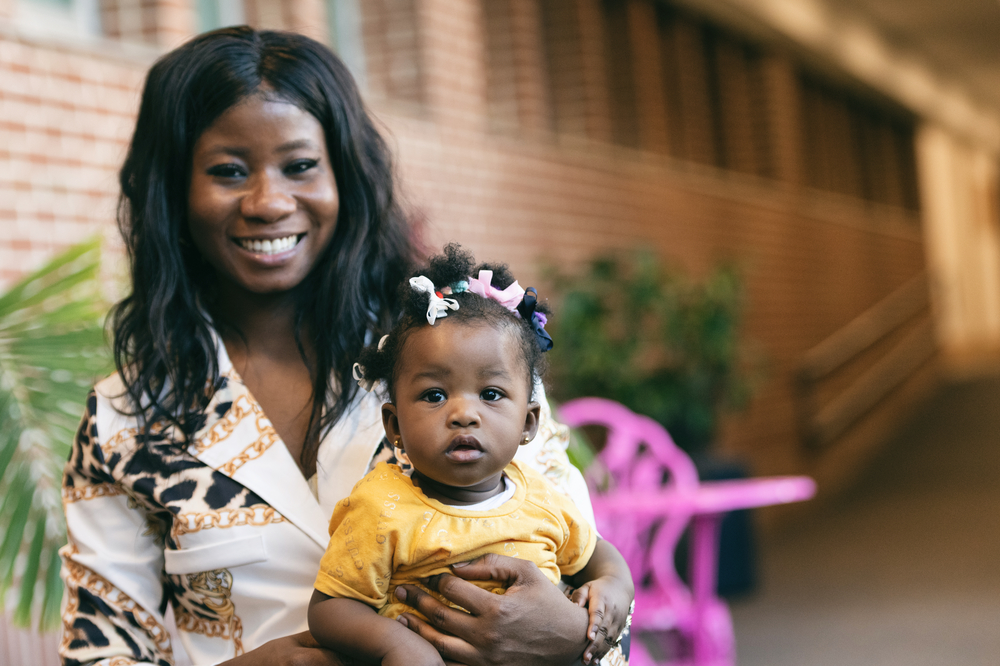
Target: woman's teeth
x: 270, y: 246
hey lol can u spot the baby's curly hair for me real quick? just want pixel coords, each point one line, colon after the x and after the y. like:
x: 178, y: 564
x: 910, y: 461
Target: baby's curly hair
x: 447, y: 270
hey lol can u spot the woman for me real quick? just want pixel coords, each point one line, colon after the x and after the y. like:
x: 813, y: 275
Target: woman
x: 265, y: 241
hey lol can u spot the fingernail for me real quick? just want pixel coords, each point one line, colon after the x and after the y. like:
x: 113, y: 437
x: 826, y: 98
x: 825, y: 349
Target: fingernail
x: 459, y: 565
x: 401, y: 594
x: 586, y: 657
x: 402, y: 621
x: 593, y: 635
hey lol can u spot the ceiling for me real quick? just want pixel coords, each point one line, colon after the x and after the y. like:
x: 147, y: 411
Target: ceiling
x: 960, y: 39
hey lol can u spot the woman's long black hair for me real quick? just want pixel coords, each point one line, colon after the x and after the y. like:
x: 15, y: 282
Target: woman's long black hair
x: 164, y: 345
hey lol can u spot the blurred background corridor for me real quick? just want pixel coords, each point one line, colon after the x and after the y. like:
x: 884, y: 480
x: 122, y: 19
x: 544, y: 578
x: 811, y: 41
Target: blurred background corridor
x: 901, y: 570
x: 839, y: 158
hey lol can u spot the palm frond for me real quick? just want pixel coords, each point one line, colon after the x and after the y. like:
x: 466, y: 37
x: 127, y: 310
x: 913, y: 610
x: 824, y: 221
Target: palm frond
x: 52, y: 348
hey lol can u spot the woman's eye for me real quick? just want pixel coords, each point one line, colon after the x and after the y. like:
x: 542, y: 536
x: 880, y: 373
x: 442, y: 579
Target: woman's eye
x: 227, y: 171
x: 491, y: 395
x: 300, y: 166
x: 434, y: 396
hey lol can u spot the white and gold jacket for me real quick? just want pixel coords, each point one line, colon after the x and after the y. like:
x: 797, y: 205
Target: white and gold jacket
x: 217, y: 523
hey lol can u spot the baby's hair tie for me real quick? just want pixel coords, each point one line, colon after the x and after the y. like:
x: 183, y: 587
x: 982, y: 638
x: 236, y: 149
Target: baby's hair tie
x: 359, y: 374
x: 437, y: 305
x: 358, y: 370
x: 509, y: 297
x: 526, y: 310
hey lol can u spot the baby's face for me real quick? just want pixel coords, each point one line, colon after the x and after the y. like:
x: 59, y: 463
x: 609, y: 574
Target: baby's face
x: 461, y: 404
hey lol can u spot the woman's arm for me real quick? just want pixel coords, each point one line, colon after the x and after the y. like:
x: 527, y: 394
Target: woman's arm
x: 357, y: 630
x: 111, y: 565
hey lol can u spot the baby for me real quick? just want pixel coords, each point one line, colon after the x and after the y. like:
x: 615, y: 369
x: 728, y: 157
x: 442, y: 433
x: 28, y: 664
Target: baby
x: 459, y: 371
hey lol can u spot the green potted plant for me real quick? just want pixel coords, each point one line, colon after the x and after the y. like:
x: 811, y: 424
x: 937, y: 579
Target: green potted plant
x: 632, y: 329
x: 52, y: 348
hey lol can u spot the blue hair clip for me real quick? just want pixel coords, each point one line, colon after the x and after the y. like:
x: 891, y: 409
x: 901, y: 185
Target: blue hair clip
x: 526, y: 308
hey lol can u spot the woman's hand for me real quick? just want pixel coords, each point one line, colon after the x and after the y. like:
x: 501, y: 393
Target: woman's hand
x: 295, y: 650
x: 607, y: 603
x: 532, y: 623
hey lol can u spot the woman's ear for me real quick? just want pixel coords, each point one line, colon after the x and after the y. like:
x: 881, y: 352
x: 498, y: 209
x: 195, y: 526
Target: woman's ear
x: 391, y: 424
x: 531, y: 422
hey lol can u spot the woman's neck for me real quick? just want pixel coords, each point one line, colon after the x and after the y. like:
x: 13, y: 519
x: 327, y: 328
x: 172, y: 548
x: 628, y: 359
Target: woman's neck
x: 259, y: 335
x: 261, y: 322
x: 456, y: 496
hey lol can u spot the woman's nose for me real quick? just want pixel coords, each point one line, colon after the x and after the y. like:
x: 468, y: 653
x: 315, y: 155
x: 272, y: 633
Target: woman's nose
x: 266, y: 200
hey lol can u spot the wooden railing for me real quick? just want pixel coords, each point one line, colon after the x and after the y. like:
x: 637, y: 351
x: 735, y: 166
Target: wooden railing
x: 907, y: 306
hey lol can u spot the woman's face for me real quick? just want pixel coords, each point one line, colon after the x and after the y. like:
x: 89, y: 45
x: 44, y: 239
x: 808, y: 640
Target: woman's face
x: 263, y: 201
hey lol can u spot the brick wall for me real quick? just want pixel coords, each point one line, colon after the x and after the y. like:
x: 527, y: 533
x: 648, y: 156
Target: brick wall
x: 65, y: 119
x: 525, y: 172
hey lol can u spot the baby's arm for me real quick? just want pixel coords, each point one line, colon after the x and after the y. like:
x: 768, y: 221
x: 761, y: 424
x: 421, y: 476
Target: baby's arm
x: 606, y: 589
x: 355, y: 629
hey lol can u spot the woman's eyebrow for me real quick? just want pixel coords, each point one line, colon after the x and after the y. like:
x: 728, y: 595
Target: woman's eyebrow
x: 242, y: 152
x: 295, y: 145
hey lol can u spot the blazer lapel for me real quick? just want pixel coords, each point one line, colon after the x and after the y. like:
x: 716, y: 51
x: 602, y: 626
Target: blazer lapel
x: 239, y: 441
x: 346, y: 452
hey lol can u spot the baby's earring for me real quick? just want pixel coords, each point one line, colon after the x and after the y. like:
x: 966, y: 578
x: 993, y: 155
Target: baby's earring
x: 525, y: 440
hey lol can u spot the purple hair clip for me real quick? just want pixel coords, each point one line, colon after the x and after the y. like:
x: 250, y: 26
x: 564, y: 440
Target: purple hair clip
x: 526, y: 310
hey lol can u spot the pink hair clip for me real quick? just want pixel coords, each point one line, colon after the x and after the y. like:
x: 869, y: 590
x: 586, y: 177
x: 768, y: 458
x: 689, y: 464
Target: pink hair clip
x: 509, y: 297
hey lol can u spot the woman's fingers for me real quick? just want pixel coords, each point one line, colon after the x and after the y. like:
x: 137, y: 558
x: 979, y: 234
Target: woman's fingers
x: 507, y: 571
x: 452, y: 649
x: 581, y: 596
x: 441, y: 616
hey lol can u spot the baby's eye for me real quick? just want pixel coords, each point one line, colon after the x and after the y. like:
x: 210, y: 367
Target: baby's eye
x: 491, y: 394
x: 434, y: 395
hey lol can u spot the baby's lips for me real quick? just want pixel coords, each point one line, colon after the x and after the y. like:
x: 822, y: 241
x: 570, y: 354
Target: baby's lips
x: 466, y: 441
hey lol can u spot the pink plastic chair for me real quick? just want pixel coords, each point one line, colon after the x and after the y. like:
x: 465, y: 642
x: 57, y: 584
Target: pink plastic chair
x: 645, y: 492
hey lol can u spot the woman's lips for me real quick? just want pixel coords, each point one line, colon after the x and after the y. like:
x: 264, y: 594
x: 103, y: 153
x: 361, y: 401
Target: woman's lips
x: 463, y: 449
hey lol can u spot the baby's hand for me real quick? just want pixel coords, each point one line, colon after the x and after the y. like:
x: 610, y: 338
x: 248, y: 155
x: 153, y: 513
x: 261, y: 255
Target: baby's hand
x: 607, y: 603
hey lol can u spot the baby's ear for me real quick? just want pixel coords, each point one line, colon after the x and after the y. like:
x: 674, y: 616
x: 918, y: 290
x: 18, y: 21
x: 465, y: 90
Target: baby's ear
x: 390, y: 423
x: 531, y: 421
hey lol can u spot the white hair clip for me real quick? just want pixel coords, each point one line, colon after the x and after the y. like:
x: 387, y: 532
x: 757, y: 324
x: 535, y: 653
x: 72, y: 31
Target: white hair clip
x: 437, y: 305
x: 359, y: 375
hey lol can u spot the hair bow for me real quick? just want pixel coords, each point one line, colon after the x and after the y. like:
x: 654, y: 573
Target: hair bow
x: 437, y: 306
x: 509, y: 297
x: 526, y: 310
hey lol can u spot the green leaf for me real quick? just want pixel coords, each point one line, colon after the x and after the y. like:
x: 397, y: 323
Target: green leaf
x: 52, y: 349
x: 23, y: 613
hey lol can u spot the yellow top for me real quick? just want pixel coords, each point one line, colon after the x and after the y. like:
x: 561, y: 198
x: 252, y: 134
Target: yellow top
x: 388, y: 532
